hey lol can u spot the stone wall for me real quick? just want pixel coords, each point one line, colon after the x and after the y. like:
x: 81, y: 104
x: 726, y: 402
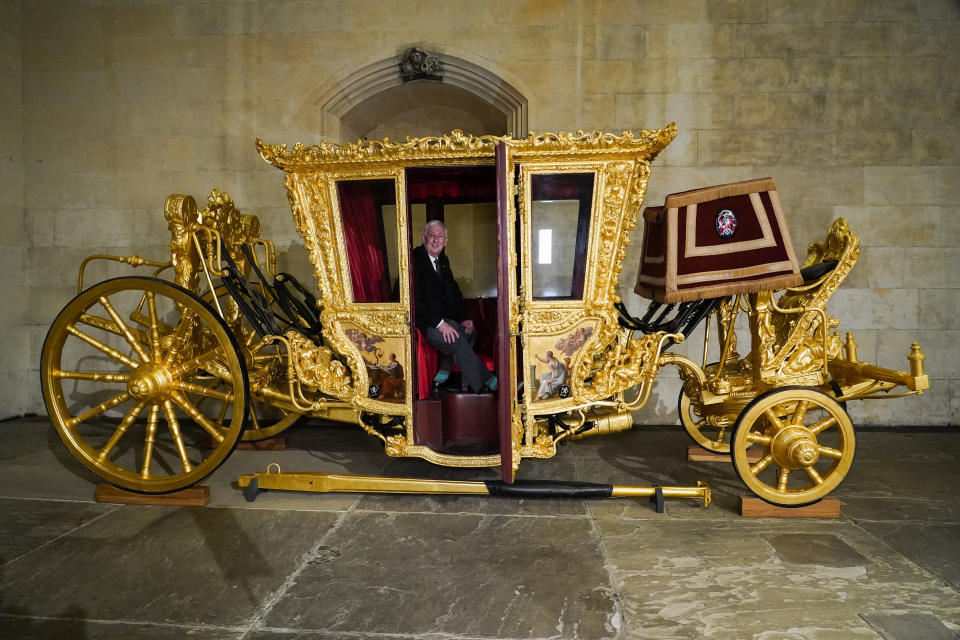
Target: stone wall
x: 851, y: 105
x: 15, y: 357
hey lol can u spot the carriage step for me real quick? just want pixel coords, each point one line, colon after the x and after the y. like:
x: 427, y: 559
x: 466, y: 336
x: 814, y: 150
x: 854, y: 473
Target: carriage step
x: 753, y: 507
x: 189, y: 497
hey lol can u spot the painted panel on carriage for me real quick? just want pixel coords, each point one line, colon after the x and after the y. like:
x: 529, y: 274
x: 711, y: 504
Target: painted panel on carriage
x: 553, y: 360
x: 384, y: 358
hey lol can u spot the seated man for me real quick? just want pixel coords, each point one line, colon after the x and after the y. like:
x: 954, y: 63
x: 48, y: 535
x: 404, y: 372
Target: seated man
x: 440, y: 313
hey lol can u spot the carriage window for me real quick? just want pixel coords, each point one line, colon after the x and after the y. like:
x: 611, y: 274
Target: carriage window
x: 369, y: 215
x: 560, y: 216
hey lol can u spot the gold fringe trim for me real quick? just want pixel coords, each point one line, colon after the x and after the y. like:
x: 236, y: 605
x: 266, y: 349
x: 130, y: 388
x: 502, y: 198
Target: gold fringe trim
x: 719, y: 291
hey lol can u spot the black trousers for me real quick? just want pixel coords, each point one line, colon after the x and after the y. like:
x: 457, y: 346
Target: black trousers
x: 461, y: 352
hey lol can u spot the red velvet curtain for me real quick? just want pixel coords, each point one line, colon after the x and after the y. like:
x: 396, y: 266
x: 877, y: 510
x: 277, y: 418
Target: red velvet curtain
x: 451, y: 184
x: 360, y: 202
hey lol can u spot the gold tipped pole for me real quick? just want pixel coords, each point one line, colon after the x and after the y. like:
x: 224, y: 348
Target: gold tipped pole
x: 699, y: 492
x: 319, y: 482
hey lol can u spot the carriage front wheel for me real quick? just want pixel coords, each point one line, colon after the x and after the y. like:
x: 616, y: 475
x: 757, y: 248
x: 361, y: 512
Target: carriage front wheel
x: 706, y: 434
x: 807, y: 445
x: 124, y: 368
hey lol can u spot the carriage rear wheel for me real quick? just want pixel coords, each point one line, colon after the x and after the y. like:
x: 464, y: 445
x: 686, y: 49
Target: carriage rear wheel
x: 807, y: 445
x: 122, y: 369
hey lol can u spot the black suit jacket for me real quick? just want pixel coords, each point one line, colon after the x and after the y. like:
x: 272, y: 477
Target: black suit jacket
x: 436, y: 294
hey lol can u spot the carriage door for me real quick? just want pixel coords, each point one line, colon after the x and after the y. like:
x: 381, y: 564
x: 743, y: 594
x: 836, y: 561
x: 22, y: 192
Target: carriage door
x: 559, y: 314
x: 508, y: 416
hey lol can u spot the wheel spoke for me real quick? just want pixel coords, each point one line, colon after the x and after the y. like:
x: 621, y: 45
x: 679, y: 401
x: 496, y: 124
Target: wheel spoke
x: 759, y: 438
x: 91, y: 376
x: 196, y: 416
x: 149, y: 440
x: 762, y: 464
x: 816, y: 477
x: 174, y: 425
x: 782, y: 479
x: 97, y: 410
x: 154, y: 325
x: 826, y: 423
x: 773, y: 419
x: 206, y: 392
x: 125, y: 330
x: 830, y: 452
x: 223, y: 412
x: 99, y: 346
x: 120, y: 430
x: 800, y: 412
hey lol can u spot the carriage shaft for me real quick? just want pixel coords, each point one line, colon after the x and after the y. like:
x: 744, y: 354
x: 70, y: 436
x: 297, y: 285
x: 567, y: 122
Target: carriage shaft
x: 320, y: 482
x: 852, y: 371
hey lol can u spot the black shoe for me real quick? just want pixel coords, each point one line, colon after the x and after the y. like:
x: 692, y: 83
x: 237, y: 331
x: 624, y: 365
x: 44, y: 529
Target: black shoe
x: 486, y: 385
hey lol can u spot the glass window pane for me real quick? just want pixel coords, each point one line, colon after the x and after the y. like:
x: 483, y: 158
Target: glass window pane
x: 369, y: 218
x: 560, y: 216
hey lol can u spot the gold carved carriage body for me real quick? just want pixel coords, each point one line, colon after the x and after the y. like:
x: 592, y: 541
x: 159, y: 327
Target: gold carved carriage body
x: 538, y: 228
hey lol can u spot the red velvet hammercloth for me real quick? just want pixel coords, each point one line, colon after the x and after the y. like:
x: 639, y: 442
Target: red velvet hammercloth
x: 717, y: 241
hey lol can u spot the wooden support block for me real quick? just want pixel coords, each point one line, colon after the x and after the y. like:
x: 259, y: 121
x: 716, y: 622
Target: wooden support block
x: 189, y: 497
x: 699, y: 454
x: 753, y: 507
x: 277, y: 443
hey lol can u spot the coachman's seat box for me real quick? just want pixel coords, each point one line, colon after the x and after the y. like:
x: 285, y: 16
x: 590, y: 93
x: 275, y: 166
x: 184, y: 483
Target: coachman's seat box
x: 717, y: 241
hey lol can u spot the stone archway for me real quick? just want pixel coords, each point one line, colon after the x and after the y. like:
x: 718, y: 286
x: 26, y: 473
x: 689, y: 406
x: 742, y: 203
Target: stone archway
x: 421, y: 92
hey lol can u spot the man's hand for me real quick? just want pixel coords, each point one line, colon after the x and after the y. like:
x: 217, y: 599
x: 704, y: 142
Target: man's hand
x: 449, y: 333
x: 467, y: 326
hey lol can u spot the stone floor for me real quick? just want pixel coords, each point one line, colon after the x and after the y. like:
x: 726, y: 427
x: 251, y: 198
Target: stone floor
x: 398, y: 567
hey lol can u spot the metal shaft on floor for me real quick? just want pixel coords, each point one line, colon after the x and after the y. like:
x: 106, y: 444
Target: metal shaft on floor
x: 318, y: 482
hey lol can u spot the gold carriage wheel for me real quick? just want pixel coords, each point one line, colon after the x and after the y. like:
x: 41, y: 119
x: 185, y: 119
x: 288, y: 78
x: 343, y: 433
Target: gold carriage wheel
x: 266, y: 419
x: 137, y: 345
x: 807, y: 445
x: 708, y: 436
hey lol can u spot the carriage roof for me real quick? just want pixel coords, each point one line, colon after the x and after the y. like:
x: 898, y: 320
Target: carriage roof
x: 457, y: 145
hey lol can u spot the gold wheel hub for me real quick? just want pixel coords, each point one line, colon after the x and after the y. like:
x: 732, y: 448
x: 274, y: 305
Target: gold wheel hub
x: 150, y: 382
x: 795, y: 447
